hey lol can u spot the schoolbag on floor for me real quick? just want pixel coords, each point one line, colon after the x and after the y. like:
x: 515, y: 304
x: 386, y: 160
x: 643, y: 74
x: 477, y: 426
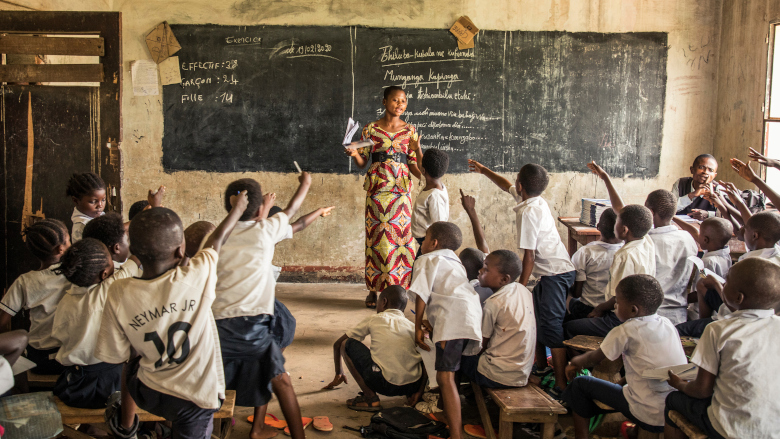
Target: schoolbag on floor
x: 406, y: 423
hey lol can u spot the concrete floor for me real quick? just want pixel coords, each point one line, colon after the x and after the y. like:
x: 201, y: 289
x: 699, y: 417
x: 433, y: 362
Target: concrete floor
x: 324, y: 312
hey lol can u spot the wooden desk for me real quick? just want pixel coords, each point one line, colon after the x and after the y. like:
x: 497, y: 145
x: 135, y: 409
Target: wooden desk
x: 578, y: 233
x: 587, y: 343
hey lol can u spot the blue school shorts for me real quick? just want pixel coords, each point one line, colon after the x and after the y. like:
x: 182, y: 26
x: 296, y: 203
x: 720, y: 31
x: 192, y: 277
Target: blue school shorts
x: 88, y: 387
x: 550, y: 306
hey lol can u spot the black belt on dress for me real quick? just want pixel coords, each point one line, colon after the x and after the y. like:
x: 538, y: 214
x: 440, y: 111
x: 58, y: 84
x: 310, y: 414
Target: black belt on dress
x: 399, y: 157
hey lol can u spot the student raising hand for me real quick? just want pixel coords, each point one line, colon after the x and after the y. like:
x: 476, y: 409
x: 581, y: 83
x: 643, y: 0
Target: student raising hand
x: 744, y: 170
x: 762, y: 159
x: 155, y: 198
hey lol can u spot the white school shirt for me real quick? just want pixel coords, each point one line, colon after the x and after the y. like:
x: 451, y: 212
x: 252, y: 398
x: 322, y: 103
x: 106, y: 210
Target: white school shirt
x: 771, y: 254
x: 592, y: 263
x: 508, y: 321
x: 673, y: 269
x: 40, y: 292
x: 646, y: 343
x: 79, y: 221
x: 452, y: 305
x: 168, y: 321
x: 78, y: 316
x: 246, y: 283
x: 740, y: 352
x: 429, y: 207
x: 635, y: 257
x: 6, y: 375
x: 536, y: 231
x: 392, y: 345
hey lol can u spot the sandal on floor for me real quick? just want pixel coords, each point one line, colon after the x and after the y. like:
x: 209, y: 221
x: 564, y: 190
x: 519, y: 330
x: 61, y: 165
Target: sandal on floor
x: 306, y: 422
x: 271, y: 421
x: 370, y: 303
x: 475, y: 430
x: 322, y: 423
x: 368, y: 407
x: 624, y: 428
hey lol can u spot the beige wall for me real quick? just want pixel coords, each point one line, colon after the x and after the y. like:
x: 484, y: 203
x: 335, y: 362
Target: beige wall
x: 742, y: 85
x: 337, y: 241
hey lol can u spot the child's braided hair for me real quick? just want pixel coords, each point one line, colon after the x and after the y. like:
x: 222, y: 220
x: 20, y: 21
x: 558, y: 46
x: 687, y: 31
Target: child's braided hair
x: 44, y: 237
x: 84, y: 184
x: 83, y: 261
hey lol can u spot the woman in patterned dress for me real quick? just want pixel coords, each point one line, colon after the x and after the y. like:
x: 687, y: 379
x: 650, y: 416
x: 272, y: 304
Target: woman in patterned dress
x: 388, y: 185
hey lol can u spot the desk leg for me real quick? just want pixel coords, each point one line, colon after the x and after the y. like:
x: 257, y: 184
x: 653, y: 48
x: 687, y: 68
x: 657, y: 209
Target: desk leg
x: 572, y: 244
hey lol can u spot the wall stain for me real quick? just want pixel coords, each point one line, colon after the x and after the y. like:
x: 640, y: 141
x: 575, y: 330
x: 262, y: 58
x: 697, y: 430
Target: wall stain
x: 257, y: 11
x: 347, y: 8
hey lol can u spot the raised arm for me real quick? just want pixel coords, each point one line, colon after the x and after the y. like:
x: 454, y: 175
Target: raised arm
x: 221, y: 233
x: 470, y: 206
x: 306, y: 220
x: 614, y: 197
x: 746, y: 172
x: 268, y: 203
x: 725, y: 209
x: 763, y: 160
x: 735, y: 195
x: 690, y: 228
x: 300, y: 194
x: 479, y: 168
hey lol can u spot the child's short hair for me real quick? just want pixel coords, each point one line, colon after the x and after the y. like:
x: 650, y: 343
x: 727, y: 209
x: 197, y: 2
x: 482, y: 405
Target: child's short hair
x: 396, y: 297
x: 254, y: 193
x: 448, y: 235
x: 767, y: 224
x: 534, y: 179
x: 194, y: 235
x: 662, y: 202
x: 108, y: 229
x: 472, y: 259
x: 44, y: 236
x: 642, y: 290
x: 435, y: 162
x: 155, y: 234
x: 606, y: 224
x: 136, y: 208
x: 638, y: 219
x: 83, y: 261
x: 759, y: 280
x: 391, y: 89
x: 273, y: 211
x: 83, y: 184
x: 508, y: 263
x: 703, y: 157
x: 718, y: 229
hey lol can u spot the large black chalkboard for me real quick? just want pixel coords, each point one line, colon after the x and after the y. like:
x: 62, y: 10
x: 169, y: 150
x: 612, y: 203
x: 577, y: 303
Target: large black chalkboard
x: 256, y: 98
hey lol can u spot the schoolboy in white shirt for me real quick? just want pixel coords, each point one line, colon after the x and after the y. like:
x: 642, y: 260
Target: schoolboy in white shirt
x: 40, y: 291
x: 735, y: 392
x: 392, y: 366
x: 545, y: 256
x: 508, y: 326
x: 646, y: 341
x: 86, y: 381
x: 433, y: 203
x: 592, y: 263
x: 442, y: 289
x: 165, y: 316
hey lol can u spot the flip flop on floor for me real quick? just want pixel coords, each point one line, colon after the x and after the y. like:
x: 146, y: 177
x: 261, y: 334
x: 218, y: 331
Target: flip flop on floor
x: 475, y: 430
x: 368, y: 404
x: 624, y: 428
x: 322, y: 423
x: 270, y: 420
x: 306, y: 423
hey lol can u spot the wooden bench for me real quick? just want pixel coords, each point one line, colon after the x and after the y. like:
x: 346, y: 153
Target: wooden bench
x: 683, y: 424
x: 41, y: 381
x: 72, y: 415
x: 521, y: 404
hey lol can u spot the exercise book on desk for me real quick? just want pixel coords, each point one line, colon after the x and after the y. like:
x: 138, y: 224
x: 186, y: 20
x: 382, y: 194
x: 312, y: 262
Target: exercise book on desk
x: 592, y: 208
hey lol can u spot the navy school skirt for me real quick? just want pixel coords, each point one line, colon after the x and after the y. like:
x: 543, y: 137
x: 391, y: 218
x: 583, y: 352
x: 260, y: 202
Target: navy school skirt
x: 88, y: 387
x: 282, y: 325
x: 251, y: 358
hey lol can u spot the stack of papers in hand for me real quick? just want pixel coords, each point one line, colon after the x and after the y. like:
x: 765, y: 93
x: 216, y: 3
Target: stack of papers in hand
x: 686, y: 372
x: 704, y: 272
x: 352, y: 127
x: 592, y: 208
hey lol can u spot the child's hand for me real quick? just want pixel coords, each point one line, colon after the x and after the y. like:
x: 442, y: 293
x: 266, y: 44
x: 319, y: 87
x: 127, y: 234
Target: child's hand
x: 735, y: 195
x: 699, y: 214
x: 596, y: 169
x: 676, y: 381
x: 304, y: 178
x: 419, y: 339
x: 469, y: 203
x: 571, y: 371
x: 239, y: 201
x: 426, y: 325
x: 744, y: 170
x: 414, y: 143
x: 596, y: 313
x: 352, y: 152
x: 155, y: 198
x: 475, y: 166
x: 763, y: 160
x: 710, y: 283
x: 269, y: 199
x: 340, y: 378
x: 326, y: 211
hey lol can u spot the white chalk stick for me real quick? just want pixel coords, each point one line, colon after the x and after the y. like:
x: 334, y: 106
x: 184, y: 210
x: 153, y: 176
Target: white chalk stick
x: 297, y: 167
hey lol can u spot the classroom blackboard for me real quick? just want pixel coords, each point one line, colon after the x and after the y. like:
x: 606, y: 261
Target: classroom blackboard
x: 255, y: 98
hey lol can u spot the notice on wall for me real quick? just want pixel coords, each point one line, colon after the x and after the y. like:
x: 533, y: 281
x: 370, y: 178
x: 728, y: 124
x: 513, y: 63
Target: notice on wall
x: 170, y: 72
x: 144, y: 75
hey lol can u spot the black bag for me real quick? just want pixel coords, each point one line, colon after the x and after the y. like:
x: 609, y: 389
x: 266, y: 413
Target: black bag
x: 406, y: 423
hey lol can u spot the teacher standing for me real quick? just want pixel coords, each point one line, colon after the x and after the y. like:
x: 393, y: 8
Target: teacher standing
x: 393, y: 153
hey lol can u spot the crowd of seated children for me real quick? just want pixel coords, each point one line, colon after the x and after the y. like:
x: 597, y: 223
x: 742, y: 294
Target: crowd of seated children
x: 391, y: 366
x: 432, y: 203
x: 39, y: 291
x: 592, y: 263
x: 442, y: 289
x: 508, y: 327
x: 88, y: 193
x: 735, y: 392
x: 645, y: 341
x: 544, y: 256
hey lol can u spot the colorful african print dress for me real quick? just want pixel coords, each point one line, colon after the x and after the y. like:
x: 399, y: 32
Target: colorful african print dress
x: 388, y: 185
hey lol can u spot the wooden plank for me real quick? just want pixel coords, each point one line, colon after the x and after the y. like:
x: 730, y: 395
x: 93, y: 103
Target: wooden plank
x: 51, y: 73
x: 585, y: 343
x: 45, y: 381
x: 72, y: 415
x: 529, y: 399
x: 573, y: 223
x: 687, y: 428
x: 30, y: 45
x: 487, y: 424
